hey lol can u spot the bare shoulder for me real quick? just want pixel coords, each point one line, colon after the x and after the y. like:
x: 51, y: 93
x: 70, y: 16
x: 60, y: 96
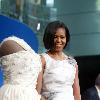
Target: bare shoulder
x: 9, y: 47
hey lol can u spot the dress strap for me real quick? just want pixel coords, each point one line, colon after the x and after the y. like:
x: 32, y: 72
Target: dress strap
x: 45, y: 56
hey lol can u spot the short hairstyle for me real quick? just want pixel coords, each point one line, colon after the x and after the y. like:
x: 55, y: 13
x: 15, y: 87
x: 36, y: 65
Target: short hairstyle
x: 97, y: 81
x: 50, y: 31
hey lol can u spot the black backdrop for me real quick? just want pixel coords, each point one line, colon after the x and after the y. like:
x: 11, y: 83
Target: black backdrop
x: 89, y: 67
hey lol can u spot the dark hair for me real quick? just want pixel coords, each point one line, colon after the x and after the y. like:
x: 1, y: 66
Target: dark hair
x: 97, y: 81
x: 50, y: 31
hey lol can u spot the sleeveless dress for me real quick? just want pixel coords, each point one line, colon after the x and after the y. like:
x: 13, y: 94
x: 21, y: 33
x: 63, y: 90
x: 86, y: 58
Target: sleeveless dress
x: 21, y: 71
x: 58, y: 78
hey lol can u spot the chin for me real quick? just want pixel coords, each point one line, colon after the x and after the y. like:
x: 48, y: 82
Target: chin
x: 58, y: 50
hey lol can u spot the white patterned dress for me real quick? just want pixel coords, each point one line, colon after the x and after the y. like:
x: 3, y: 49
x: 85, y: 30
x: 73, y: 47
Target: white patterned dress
x: 58, y: 78
x: 21, y: 71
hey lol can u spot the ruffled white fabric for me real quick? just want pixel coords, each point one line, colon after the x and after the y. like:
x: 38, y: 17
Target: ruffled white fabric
x: 58, y: 78
x: 21, y: 71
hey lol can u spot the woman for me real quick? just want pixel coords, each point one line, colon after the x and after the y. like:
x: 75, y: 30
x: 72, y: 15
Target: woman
x: 21, y: 67
x: 60, y: 74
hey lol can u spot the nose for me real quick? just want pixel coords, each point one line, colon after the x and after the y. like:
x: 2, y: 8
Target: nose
x: 58, y: 39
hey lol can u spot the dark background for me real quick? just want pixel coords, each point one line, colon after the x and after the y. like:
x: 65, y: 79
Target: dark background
x: 89, y: 68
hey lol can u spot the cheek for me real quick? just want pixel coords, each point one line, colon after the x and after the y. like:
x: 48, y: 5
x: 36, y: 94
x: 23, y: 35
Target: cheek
x: 64, y: 41
x: 54, y: 40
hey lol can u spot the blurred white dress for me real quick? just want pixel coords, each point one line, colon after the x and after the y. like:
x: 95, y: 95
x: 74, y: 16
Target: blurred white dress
x: 58, y: 78
x: 21, y: 71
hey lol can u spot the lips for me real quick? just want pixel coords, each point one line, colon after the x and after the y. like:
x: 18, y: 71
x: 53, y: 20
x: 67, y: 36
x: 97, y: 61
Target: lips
x: 58, y: 45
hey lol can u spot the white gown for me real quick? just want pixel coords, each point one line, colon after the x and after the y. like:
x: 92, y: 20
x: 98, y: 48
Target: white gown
x: 58, y: 78
x: 21, y: 71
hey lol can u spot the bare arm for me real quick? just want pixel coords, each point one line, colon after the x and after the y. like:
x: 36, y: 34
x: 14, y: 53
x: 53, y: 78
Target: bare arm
x: 9, y: 47
x: 39, y: 82
x: 40, y: 79
x: 76, y: 87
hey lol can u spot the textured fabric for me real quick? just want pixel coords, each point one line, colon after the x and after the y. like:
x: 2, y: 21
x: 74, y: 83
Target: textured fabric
x: 58, y: 78
x: 21, y: 71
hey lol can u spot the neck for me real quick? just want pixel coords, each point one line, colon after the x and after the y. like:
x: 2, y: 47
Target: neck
x: 56, y: 55
x: 56, y: 52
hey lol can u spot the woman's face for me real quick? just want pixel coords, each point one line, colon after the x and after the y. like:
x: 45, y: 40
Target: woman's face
x: 59, y: 39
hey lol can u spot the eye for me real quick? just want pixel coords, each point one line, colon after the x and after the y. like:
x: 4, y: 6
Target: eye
x: 62, y: 37
x: 55, y: 36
